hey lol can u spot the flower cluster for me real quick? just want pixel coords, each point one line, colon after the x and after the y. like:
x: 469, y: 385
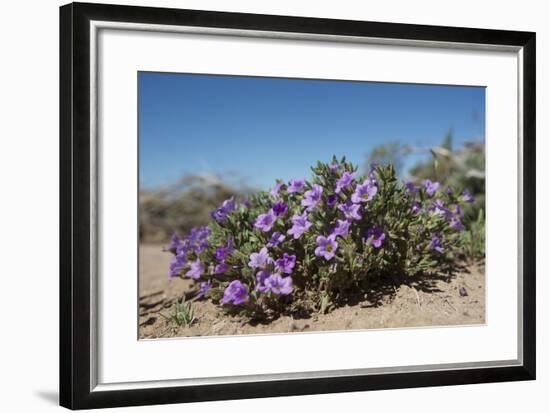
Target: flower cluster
x: 321, y: 237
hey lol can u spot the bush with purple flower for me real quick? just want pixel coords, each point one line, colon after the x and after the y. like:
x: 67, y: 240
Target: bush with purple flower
x: 311, y: 240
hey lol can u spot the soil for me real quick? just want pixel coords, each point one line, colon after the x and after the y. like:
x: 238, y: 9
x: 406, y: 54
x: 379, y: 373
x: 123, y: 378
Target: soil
x: 437, y: 301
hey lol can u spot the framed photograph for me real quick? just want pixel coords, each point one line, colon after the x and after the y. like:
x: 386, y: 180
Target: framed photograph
x: 258, y: 206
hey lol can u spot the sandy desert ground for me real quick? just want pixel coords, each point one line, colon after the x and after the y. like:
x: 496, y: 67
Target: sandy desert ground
x: 434, y: 302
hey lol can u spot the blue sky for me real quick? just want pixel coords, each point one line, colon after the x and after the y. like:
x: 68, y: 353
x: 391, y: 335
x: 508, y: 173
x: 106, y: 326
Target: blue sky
x: 260, y: 129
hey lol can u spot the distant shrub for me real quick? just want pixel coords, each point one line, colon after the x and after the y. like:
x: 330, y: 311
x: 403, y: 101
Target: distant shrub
x: 181, y: 206
x: 308, y: 243
x: 462, y: 167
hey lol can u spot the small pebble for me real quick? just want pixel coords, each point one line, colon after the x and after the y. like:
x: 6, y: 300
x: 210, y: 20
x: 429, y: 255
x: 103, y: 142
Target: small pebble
x: 462, y: 291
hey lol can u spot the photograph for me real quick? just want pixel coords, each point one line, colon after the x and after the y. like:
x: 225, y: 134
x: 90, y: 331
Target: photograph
x: 282, y: 205
x: 351, y: 189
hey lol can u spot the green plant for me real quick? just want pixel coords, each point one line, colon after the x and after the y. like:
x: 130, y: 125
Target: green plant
x: 311, y: 243
x: 183, y: 313
x: 473, y: 239
x: 462, y: 167
x: 456, y: 168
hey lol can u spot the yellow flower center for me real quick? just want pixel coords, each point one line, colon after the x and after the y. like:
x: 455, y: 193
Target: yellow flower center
x: 328, y: 247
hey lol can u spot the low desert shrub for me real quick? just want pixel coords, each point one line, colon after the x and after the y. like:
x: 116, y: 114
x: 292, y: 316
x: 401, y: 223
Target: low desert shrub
x: 181, y: 206
x: 310, y: 243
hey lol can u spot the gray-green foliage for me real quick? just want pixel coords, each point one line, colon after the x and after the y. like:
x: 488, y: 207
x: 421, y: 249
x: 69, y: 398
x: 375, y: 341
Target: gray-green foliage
x: 456, y: 167
x: 183, y: 312
x: 473, y: 239
x: 402, y: 231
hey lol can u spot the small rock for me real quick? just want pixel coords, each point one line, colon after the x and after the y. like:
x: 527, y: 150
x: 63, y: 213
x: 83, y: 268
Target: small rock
x: 462, y: 291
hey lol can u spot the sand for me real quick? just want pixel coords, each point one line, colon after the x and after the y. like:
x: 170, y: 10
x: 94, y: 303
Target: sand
x: 419, y: 303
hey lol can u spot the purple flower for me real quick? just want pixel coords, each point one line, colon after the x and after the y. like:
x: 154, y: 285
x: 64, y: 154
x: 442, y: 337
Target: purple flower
x: 261, y: 277
x: 279, y: 209
x: 449, y: 190
x: 286, y: 264
x: 260, y: 259
x: 411, y: 187
x: 300, y: 224
x: 279, y: 285
x: 334, y: 167
x: 312, y: 197
x: 179, y: 260
x: 221, y: 268
x: 175, y: 241
x: 364, y: 192
x: 344, y: 181
x: 341, y: 228
x: 468, y: 197
x: 246, y: 203
x: 296, y: 185
x: 276, y: 239
x: 431, y: 187
x: 459, y: 212
x: 235, y: 293
x: 457, y: 224
x: 275, y: 191
x: 228, y: 205
x: 350, y: 210
x: 198, y: 239
x: 204, y: 287
x: 196, y: 270
x: 416, y: 208
x: 223, y: 252
x: 376, y: 236
x: 436, y: 244
x: 438, y: 207
x: 326, y: 247
x: 220, y: 214
x: 331, y: 200
x: 265, y: 221
x: 176, y: 265
x: 184, y: 247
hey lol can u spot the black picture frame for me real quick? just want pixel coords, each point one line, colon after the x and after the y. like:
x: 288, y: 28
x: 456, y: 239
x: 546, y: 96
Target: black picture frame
x: 75, y: 220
